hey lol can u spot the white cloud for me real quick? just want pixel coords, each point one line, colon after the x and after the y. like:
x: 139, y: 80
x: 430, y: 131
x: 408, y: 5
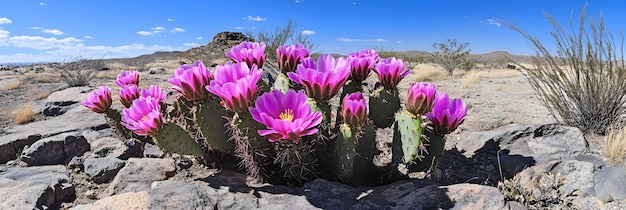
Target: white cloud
x: 4, y: 20
x: 170, y: 20
x: 343, y: 39
x: 494, y: 22
x: 53, y: 31
x: 42, y: 4
x: 3, y: 34
x: 193, y: 44
x: 399, y: 42
x: 177, y: 30
x: 307, y: 32
x: 35, y: 28
x: 158, y: 28
x: 297, y: 1
x: 88, y: 37
x: 238, y: 27
x: 42, y: 43
x: 199, y: 38
x: 257, y: 18
x: 253, y: 27
x: 144, y: 33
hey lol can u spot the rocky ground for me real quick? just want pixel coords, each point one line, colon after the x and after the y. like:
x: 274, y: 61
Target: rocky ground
x: 68, y: 158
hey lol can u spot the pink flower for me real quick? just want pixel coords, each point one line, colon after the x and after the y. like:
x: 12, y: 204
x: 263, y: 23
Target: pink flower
x: 99, y: 100
x: 361, y: 64
x: 288, y: 57
x: 155, y: 92
x: 127, y: 78
x: 143, y: 117
x: 128, y: 94
x: 286, y: 115
x: 447, y: 114
x: 321, y: 80
x: 421, y: 98
x: 390, y: 71
x: 249, y: 52
x: 236, y: 85
x: 191, y: 80
x: 354, y: 109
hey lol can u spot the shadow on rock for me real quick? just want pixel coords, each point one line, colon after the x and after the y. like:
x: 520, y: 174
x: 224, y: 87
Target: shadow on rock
x: 486, y: 166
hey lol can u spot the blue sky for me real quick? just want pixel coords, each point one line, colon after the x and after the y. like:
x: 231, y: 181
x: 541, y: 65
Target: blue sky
x: 41, y: 31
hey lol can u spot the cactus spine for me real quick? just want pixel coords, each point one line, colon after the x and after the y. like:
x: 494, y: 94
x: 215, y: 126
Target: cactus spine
x: 210, y: 120
x: 354, y: 153
x: 410, y: 129
x: 384, y: 104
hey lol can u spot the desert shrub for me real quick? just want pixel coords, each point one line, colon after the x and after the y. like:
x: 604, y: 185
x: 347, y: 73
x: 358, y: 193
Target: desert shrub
x: 468, y: 64
x: 23, y: 114
x: 450, y: 54
x: 542, y: 191
x: 14, y: 85
x: 615, y: 145
x: 471, y: 78
x: 139, y: 64
x: 78, y: 72
x: 280, y: 37
x: 583, y: 83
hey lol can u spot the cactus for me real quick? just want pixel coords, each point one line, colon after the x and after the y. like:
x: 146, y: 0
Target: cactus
x: 434, y: 144
x: 409, y: 143
x: 210, y: 119
x: 253, y: 150
x: 173, y: 139
x: 354, y: 153
x: 114, y: 118
x: 384, y: 103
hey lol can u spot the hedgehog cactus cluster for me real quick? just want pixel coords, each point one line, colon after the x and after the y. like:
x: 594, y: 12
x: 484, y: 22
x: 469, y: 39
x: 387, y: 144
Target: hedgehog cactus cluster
x: 284, y: 130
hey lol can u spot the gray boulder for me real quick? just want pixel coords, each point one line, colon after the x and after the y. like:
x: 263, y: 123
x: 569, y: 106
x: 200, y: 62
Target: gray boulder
x: 102, y: 170
x: 40, y: 187
x: 55, y: 150
x: 139, y: 174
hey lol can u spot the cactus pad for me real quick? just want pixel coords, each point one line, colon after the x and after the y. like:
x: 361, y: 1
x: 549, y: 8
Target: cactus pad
x: 174, y: 139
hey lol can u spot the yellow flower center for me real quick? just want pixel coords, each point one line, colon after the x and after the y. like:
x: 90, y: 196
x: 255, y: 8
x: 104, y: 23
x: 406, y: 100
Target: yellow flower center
x: 287, y: 115
x: 144, y: 118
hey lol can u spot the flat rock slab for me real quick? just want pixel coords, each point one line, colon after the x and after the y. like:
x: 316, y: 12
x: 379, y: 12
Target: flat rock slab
x: 139, y: 174
x: 77, y: 118
x: 228, y: 190
x: 37, y: 187
x: 102, y: 170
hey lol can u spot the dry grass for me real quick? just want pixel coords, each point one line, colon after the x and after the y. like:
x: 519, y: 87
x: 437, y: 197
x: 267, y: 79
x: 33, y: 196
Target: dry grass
x: 427, y: 75
x: 47, y: 78
x: 24, y: 114
x: 107, y: 74
x: 14, y: 85
x: 616, y: 145
x: 472, y: 77
x: 38, y: 93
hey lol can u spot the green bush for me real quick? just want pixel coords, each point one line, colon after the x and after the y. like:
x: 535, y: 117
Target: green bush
x: 450, y: 54
x: 583, y: 84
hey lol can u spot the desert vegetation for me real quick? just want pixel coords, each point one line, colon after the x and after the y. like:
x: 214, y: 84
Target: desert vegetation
x: 583, y: 83
x: 450, y: 54
x: 280, y: 36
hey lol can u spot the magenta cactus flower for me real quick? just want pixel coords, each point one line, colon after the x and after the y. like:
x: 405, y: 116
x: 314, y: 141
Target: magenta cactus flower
x: 128, y: 94
x: 287, y: 115
x: 321, y: 80
x: 361, y: 64
x: 390, y: 72
x: 421, y: 98
x: 236, y: 85
x: 447, y: 114
x: 249, y: 52
x: 143, y: 117
x: 155, y: 92
x: 99, y: 100
x: 354, y: 109
x: 191, y: 81
x: 127, y: 78
x: 288, y: 57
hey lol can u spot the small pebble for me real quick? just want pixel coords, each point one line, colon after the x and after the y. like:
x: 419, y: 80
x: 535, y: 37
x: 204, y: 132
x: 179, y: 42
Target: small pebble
x: 91, y: 194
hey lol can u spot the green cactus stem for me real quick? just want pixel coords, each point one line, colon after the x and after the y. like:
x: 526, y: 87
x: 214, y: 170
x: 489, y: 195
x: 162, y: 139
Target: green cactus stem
x: 174, y: 139
x: 253, y: 149
x: 435, y: 144
x: 409, y: 143
x: 114, y: 119
x: 355, y: 153
x: 210, y: 119
x: 383, y: 104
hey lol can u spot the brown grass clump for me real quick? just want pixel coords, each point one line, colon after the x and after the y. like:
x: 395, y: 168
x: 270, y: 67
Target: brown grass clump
x: 14, y: 85
x: 472, y: 78
x: 427, y: 75
x: 48, y: 78
x: 24, y: 114
x: 616, y: 145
